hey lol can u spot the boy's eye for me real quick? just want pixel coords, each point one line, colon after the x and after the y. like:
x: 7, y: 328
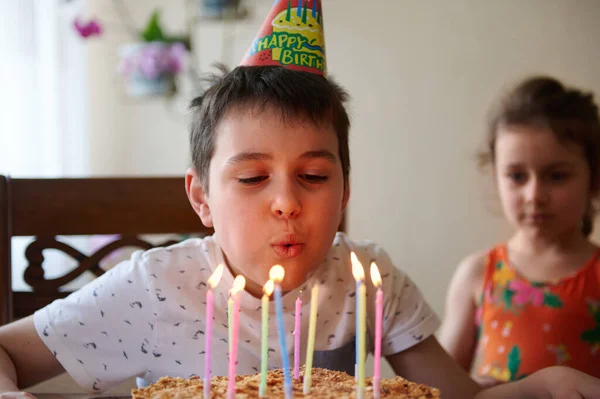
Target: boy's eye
x: 249, y: 181
x: 314, y: 178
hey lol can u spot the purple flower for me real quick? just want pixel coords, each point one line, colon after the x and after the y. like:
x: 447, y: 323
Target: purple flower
x: 85, y: 30
x: 153, y: 60
x: 176, y: 58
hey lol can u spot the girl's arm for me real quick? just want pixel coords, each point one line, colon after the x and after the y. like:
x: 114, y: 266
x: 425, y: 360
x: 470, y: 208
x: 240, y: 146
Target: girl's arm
x: 428, y: 363
x: 24, y: 358
x: 458, y: 334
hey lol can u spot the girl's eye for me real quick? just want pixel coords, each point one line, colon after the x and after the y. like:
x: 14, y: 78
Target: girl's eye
x: 517, y: 177
x: 250, y: 181
x: 558, y: 176
x: 314, y: 178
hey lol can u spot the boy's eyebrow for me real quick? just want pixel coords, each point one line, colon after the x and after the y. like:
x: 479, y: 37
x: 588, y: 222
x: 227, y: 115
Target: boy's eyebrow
x: 248, y: 156
x: 261, y: 156
x: 327, y: 155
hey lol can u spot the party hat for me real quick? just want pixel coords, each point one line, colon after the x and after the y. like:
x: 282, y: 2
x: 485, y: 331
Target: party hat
x: 291, y: 36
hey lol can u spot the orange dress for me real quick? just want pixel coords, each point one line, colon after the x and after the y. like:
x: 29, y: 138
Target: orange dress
x: 525, y: 326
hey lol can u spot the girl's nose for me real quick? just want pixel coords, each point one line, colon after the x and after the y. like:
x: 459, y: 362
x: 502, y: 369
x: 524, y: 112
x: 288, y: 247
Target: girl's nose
x: 537, y: 192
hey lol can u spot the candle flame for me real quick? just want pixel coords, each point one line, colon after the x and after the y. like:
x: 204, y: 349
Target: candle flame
x: 268, y: 288
x: 375, y: 276
x: 238, y: 285
x: 215, y: 277
x: 357, y: 269
x: 276, y: 273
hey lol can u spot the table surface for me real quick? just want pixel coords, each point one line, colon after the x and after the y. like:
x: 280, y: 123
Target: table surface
x: 77, y: 396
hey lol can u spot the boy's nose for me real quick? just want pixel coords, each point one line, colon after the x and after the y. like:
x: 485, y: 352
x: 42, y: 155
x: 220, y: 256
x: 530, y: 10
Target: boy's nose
x: 286, y: 204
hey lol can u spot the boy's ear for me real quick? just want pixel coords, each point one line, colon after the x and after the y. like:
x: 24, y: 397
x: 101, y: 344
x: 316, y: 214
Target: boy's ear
x: 346, y: 196
x: 197, y: 196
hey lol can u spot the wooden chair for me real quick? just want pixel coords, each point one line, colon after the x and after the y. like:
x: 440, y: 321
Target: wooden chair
x: 47, y: 208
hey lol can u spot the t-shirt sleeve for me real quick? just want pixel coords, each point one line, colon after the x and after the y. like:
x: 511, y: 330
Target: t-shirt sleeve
x: 407, y: 317
x: 103, y: 333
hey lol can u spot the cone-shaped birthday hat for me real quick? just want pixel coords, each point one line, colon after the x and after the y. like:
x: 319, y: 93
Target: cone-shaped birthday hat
x: 291, y: 36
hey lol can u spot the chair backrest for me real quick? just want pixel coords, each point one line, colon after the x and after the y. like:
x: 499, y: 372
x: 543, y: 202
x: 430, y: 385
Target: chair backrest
x: 47, y: 208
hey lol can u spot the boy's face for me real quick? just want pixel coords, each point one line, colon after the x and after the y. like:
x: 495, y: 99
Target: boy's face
x: 276, y: 195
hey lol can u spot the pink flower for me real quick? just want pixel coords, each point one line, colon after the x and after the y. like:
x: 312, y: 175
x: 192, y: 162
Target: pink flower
x: 525, y: 293
x: 85, y: 30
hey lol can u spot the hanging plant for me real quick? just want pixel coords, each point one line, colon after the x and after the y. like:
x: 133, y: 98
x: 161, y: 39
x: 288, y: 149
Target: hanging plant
x: 151, y: 64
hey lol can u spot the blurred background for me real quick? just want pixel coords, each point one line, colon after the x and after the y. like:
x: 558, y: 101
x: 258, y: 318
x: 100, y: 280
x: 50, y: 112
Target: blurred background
x: 421, y: 73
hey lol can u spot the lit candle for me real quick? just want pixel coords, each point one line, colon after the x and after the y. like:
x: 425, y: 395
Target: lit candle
x: 238, y: 285
x: 357, y: 329
x: 376, y: 278
x: 213, y: 281
x: 297, y: 333
x: 276, y: 274
x: 264, y: 356
x: 356, y: 318
x: 310, y: 347
x: 359, y: 275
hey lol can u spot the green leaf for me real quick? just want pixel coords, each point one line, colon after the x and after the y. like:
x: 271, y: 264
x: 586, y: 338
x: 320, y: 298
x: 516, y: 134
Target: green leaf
x: 552, y: 300
x: 591, y: 336
x: 153, y: 32
x: 595, y: 313
x: 507, y: 296
x: 514, y: 361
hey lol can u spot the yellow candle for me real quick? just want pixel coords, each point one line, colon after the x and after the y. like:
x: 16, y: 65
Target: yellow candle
x: 312, y: 329
x: 361, y: 313
x: 264, y: 354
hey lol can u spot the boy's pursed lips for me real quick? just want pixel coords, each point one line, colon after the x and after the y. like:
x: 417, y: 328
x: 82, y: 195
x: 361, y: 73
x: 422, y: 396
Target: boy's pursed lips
x: 288, y: 246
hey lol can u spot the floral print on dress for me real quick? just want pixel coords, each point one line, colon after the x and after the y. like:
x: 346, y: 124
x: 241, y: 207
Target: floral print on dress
x: 524, y: 326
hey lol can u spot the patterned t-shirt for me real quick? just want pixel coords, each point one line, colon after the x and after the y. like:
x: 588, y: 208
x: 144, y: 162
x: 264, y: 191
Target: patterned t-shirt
x: 525, y: 326
x: 146, y: 316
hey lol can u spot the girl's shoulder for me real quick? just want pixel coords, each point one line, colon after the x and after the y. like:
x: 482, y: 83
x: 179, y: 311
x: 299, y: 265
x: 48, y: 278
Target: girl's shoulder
x: 473, y: 270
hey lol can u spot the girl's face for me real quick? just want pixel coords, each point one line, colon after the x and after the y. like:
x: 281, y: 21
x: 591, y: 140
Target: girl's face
x: 544, y: 184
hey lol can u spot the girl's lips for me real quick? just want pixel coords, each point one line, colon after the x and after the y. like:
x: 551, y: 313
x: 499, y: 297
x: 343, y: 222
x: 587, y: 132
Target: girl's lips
x: 288, y: 251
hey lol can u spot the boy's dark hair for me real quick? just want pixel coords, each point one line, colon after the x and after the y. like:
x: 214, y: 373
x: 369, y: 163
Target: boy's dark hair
x: 570, y: 114
x: 297, y: 95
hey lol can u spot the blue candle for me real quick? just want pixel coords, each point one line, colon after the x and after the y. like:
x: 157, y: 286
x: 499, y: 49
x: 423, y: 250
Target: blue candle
x: 276, y: 274
x: 314, y: 8
x: 299, y: 11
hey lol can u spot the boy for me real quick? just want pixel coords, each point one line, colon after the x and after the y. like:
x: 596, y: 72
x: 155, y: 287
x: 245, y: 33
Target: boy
x: 271, y: 175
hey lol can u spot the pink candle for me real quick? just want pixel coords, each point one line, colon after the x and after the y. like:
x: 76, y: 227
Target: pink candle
x: 212, y: 283
x: 297, y: 331
x: 376, y: 277
x: 234, y: 295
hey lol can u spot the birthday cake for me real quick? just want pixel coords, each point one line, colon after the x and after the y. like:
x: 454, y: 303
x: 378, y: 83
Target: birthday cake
x: 326, y: 384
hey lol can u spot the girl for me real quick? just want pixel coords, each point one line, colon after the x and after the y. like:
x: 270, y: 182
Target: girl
x: 534, y: 301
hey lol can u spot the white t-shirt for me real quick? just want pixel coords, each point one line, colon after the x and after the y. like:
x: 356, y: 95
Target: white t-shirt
x: 146, y: 316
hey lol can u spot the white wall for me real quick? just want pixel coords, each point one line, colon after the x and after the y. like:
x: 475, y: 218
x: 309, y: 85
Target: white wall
x: 421, y: 74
